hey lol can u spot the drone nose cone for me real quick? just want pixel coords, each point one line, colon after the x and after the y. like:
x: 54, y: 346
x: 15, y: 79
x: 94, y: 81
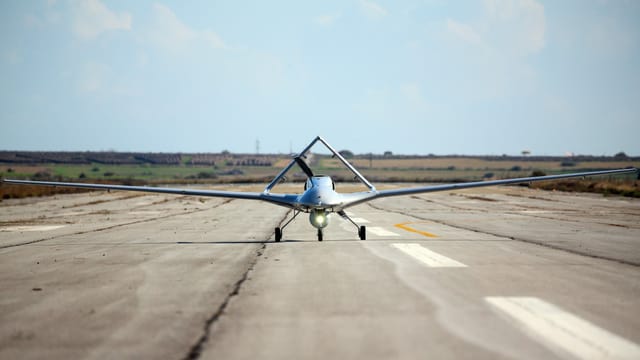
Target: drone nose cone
x: 311, y: 198
x: 320, y: 197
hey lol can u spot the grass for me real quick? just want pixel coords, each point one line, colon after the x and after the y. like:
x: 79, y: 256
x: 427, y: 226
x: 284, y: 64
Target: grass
x: 24, y: 191
x: 141, y: 172
x: 604, y: 187
x: 463, y: 163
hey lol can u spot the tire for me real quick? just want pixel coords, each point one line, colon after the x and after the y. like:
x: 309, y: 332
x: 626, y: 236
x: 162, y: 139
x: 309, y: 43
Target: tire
x: 362, y: 232
x: 278, y: 234
x: 319, y: 235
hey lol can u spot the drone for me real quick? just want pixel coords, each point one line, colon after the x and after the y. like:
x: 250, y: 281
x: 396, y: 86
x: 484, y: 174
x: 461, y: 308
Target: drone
x: 319, y: 197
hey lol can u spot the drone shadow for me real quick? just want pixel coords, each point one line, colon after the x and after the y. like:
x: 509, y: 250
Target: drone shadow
x: 235, y: 242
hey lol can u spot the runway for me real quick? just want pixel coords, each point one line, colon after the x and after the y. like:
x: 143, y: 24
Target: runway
x: 491, y: 273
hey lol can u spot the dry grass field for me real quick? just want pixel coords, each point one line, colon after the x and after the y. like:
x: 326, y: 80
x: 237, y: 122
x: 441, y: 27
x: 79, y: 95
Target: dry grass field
x: 378, y: 169
x: 464, y: 163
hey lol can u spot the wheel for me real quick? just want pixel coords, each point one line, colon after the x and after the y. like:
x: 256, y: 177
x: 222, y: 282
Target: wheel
x: 278, y: 234
x: 319, y: 235
x: 362, y: 232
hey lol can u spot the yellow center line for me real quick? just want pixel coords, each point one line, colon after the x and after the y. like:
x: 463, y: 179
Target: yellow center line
x: 404, y: 226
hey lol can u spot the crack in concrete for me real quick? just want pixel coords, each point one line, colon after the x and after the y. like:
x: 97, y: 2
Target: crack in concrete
x: 196, y: 350
x: 515, y: 212
x: 115, y: 226
x: 528, y: 241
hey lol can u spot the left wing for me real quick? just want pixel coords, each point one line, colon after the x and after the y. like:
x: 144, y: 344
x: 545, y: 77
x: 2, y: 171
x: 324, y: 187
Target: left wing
x: 288, y: 200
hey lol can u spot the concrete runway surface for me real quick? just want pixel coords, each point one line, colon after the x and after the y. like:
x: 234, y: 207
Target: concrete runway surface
x: 491, y: 273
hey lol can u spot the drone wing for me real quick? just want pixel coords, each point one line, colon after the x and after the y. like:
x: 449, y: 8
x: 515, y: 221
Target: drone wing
x: 467, y: 185
x: 288, y: 200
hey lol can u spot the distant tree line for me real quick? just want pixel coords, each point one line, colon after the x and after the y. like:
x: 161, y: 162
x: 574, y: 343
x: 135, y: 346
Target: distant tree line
x: 131, y: 158
x: 621, y: 156
x: 229, y: 159
x: 109, y: 157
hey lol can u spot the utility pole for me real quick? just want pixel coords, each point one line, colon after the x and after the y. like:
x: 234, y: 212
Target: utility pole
x: 257, y: 146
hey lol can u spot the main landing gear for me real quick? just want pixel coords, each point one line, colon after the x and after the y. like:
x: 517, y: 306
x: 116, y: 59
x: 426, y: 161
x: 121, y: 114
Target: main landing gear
x: 362, y: 230
x: 279, y: 229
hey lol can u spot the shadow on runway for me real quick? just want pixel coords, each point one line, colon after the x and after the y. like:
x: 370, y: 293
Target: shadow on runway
x: 273, y: 242
x: 222, y: 242
x: 234, y: 242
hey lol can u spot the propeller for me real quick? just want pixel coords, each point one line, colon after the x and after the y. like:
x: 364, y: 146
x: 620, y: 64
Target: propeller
x: 303, y: 165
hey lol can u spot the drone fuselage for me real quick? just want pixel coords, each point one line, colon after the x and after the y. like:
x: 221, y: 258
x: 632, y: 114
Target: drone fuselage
x: 319, y: 199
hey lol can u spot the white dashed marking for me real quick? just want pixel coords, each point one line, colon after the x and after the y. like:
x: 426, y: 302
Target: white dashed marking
x: 426, y: 256
x: 30, y: 228
x: 564, y: 330
x: 358, y: 220
x: 380, y: 231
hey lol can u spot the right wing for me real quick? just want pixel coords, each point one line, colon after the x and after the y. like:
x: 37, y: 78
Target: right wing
x: 467, y: 185
x: 288, y: 200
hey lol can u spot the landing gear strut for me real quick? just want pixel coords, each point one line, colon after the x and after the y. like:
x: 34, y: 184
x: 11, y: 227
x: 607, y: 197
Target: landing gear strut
x: 362, y: 230
x: 278, y: 230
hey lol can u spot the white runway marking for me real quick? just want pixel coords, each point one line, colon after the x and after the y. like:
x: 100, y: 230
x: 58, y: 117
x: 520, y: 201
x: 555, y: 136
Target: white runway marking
x: 31, y: 228
x: 426, y: 256
x: 358, y: 220
x: 565, y: 330
x: 380, y: 231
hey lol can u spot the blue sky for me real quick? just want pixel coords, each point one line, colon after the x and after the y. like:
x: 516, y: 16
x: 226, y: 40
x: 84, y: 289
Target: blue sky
x: 412, y: 77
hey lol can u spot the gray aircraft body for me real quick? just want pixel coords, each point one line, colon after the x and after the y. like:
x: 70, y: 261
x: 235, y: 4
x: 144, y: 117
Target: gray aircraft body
x: 319, y: 197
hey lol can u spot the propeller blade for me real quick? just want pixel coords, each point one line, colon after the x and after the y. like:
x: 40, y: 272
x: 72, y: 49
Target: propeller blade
x: 303, y: 165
